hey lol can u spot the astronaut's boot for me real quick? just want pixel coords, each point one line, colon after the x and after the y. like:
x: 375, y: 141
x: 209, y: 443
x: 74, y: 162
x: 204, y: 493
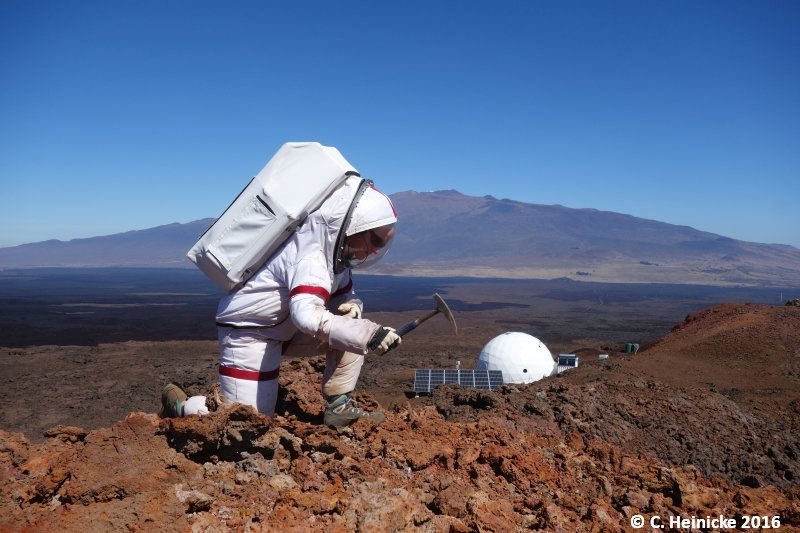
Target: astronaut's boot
x: 343, y: 411
x: 172, y: 401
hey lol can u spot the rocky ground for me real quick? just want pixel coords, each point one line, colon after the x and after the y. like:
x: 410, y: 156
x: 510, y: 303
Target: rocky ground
x: 702, y: 423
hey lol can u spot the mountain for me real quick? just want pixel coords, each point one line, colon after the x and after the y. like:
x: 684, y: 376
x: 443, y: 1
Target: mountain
x: 162, y: 246
x: 448, y: 233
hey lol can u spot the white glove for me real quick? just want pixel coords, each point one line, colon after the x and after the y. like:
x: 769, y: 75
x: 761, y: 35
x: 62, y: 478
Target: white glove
x: 351, y: 309
x: 384, y: 340
x: 196, y: 405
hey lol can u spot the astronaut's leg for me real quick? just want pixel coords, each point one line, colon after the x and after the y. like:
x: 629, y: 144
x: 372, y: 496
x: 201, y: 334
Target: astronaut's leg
x: 341, y: 372
x: 338, y: 381
x: 249, y: 365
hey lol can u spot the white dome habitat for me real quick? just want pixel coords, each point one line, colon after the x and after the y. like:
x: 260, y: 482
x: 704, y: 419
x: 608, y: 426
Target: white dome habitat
x: 521, y: 357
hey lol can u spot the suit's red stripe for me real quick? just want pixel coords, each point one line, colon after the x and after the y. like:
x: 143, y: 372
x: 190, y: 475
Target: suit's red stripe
x: 311, y: 289
x: 250, y: 375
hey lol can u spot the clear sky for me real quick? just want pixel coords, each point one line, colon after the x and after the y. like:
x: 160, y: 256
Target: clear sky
x: 118, y: 115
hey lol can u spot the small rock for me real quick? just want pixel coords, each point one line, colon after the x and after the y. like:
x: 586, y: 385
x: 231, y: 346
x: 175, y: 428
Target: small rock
x: 636, y: 499
x: 66, y: 433
x: 282, y: 482
x: 243, y: 478
x: 600, y: 515
x: 319, y: 457
x: 195, y: 500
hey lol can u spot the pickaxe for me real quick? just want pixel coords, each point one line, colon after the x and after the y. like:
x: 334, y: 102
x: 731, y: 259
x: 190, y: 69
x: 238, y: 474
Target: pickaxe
x: 441, y: 307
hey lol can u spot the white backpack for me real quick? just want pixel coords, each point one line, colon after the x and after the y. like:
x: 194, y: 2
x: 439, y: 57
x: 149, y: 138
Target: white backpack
x: 295, y: 182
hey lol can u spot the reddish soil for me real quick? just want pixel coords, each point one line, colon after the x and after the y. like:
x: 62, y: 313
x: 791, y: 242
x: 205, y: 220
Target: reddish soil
x: 702, y: 423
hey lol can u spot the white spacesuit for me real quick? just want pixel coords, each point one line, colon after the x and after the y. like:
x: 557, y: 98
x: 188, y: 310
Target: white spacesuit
x: 295, y: 292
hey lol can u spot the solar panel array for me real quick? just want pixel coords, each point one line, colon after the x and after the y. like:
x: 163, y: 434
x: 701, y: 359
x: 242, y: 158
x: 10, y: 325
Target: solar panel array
x: 426, y: 379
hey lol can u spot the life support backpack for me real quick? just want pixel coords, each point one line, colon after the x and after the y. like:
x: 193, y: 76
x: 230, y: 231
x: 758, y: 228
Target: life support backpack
x: 295, y: 182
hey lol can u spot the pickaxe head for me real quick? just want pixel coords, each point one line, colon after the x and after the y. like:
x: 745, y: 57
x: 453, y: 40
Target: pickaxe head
x: 441, y: 306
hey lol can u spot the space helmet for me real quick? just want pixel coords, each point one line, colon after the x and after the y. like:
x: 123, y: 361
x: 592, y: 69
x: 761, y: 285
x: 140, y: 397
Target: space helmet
x: 371, y: 210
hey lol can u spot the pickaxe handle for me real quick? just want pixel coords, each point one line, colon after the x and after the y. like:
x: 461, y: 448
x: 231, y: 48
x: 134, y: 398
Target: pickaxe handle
x: 414, y: 323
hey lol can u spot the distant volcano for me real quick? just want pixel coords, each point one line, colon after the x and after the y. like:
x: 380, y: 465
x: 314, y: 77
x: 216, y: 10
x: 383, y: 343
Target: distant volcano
x: 446, y: 233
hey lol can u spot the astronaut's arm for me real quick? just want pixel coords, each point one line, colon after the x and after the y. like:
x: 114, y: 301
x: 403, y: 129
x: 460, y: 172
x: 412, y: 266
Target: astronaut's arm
x: 309, y: 314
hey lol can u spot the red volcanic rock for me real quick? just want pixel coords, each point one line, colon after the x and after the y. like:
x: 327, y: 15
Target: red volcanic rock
x: 585, y: 451
x: 419, y: 471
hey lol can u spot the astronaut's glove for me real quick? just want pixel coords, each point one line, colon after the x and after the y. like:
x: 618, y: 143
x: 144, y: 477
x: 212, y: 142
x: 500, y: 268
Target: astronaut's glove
x: 351, y: 309
x: 196, y: 405
x: 384, y: 340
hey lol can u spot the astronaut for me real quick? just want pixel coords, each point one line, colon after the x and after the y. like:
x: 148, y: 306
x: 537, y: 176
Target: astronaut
x: 302, y: 298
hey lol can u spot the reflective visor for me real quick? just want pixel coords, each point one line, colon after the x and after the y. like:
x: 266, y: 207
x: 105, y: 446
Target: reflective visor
x: 368, y: 242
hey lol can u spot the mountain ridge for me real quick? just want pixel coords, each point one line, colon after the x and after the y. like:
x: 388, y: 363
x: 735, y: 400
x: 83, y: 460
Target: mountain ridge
x: 448, y: 233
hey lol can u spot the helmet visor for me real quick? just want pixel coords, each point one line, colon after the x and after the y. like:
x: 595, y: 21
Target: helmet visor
x: 366, y: 248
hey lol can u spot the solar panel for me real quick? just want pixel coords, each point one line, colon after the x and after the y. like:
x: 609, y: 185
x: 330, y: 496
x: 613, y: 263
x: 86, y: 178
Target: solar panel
x: 427, y: 378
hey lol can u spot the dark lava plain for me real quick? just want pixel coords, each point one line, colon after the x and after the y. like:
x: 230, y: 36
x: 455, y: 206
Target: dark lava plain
x: 86, y: 307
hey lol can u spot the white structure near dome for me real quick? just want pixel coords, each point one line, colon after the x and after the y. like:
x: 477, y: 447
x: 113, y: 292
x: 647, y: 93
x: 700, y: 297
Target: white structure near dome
x: 567, y: 361
x: 521, y: 357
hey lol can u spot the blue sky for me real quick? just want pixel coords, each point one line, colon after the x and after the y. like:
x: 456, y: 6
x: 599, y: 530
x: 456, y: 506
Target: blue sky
x: 127, y: 115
